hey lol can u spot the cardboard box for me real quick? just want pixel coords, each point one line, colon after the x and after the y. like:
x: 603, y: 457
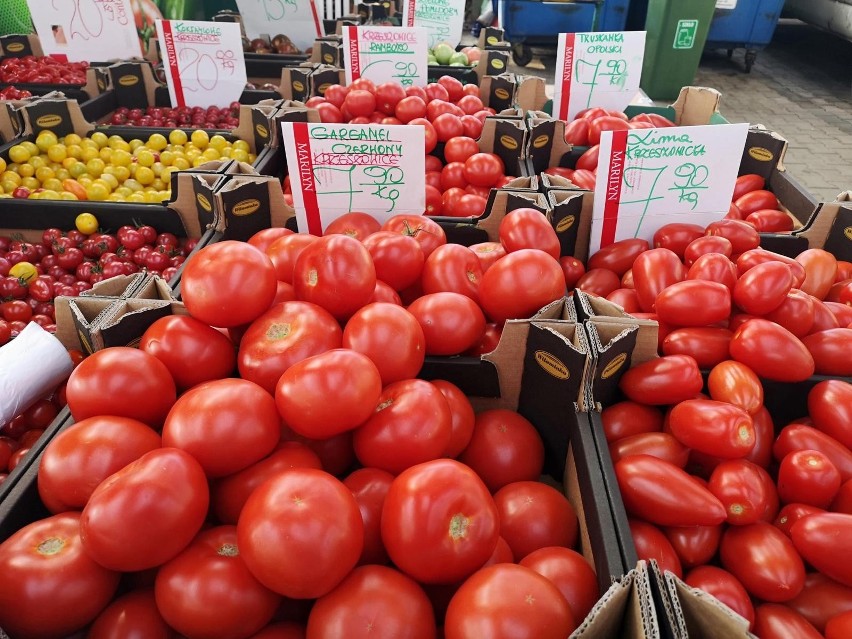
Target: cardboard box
x: 829, y: 228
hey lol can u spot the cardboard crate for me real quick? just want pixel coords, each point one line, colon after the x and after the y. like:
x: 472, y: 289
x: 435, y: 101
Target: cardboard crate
x: 829, y: 228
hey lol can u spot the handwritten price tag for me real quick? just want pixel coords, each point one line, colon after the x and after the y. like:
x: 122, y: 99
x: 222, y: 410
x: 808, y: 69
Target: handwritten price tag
x: 86, y: 29
x: 296, y: 19
x: 442, y: 19
x: 337, y: 168
x: 386, y: 54
x: 597, y: 69
x: 651, y: 177
x: 203, y: 61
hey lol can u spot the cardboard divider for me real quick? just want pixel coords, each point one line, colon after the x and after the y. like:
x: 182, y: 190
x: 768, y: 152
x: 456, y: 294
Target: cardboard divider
x: 571, y: 217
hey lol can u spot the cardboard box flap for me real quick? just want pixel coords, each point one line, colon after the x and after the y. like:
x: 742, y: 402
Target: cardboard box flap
x: 696, y: 105
x: 830, y: 228
x: 763, y: 153
x: 77, y: 320
x: 547, y: 145
x: 249, y: 204
x: 510, y: 348
x: 20, y: 45
x: 571, y: 217
x: 153, y: 287
x: 705, y: 616
x: 118, y: 286
x: 126, y: 321
x: 193, y: 200
x: 530, y: 92
x: 134, y: 84
x: 58, y: 115
x: 612, y: 347
x: 561, y: 309
x: 550, y: 182
x: 669, y: 614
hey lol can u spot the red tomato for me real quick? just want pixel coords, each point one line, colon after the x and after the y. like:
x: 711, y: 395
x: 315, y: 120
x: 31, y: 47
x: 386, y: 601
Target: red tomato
x: 229, y: 494
x: 121, y: 381
x: 132, y: 615
x: 439, y: 522
x: 354, y: 224
x: 527, y: 228
x: 483, y: 169
x: 627, y: 418
x: 800, y: 437
x: 147, y: 512
x: 569, y: 571
x: 577, y: 132
x: 452, y: 175
x: 534, y: 515
x: 207, y: 590
x: 824, y: 319
x: 735, y: 383
x: 664, y: 380
x: 771, y: 351
x: 626, y: 298
x: 589, y: 159
x: 790, y: 514
x: 410, y: 108
x: 431, y: 135
x: 742, y: 236
x: 370, y: 487
x: 808, y: 477
x: 839, y: 627
x: 520, y: 284
x: 694, y: 545
x: 504, y: 448
x: 764, y: 560
x: 460, y: 149
x: 337, y: 273
x: 302, y: 394
x: 823, y: 538
x: 714, y: 267
x: 434, y: 202
x: 693, y: 303
x: 723, y: 586
x: 226, y: 425
x: 388, y: 96
x: 752, y: 258
x: 470, y: 104
x: 264, y: 238
x: 708, y: 346
x: 450, y: 200
x: 359, y: 102
x: 746, y: 184
x: 84, y: 454
x: 660, y: 445
x: 228, y: 284
x: 830, y: 408
x: 831, y: 350
x: 605, y: 123
x: 821, y: 600
x: 335, y: 453
x: 452, y: 268
x: 770, y: 221
x: 451, y: 322
x: 284, y: 251
x: 373, y: 601
x: 756, y: 200
x: 473, y: 124
x: 583, y: 179
x: 676, y: 236
x: 744, y: 490
x: 664, y: 494
x: 489, y: 341
x: 385, y: 293
x: 618, y: 256
x: 774, y: 621
x: 447, y: 126
x: 488, y: 253
x: 51, y: 587
x: 410, y: 424
x: 762, y: 289
x: 704, y: 245
x: 714, y: 428
x: 572, y: 269
x: 300, y: 533
x: 286, y: 334
x: 398, y: 259
x: 428, y: 233
x: 795, y: 313
x: 599, y: 281
x: 330, y: 114
x: 653, y: 271
x: 650, y: 543
x: 463, y: 418
x: 507, y: 601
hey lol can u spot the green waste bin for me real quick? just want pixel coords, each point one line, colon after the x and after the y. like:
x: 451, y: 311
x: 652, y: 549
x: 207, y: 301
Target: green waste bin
x: 15, y: 18
x: 677, y: 30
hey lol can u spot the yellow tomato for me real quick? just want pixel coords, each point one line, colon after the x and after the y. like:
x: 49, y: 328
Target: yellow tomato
x: 45, y: 140
x: 239, y: 155
x: 53, y: 184
x: 65, y: 195
x: 2, y: 165
x: 200, y: 138
x: 72, y: 138
x: 157, y: 142
x: 97, y: 192
x: 24, y: 271
x: 100, y: 139
x: 31, y: 183
x: 122, y: 158
x: 178, y: 137
x: 44, y: 173
x: 26, y: 170
x: 29, y: 146
x: 19, y: 154
x: 95, y: 167
x: 144, y: 175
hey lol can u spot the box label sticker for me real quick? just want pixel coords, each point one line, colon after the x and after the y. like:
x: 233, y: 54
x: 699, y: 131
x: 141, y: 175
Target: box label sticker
x: 685, y: 34
x: 386, y: 54
x: 651, y: 177
x: 337, y: 168
x: 442, y: 19
x: 726, y: 4
x: 597, y: 69
x: 296, y: 19
x: 86, y: 31
x: 202, y: 59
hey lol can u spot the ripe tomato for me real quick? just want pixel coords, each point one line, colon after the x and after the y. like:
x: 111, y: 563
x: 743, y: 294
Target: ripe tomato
x: 284, y: 251
x: 723, y: 586
x: 600, y: 281
x: 676, y: 236
x: 83, y: 455
x: 651, y: 543
x: 694, y: 545
x: 707, y: 345
x: 439, y: 522
x: 770, y: 221
x: 354, y: 224
x: 572, y: 269
x: 451, y: 322
x: 429, y: 133
x: 839, y: 626
x: 460, y: 148
x: 795, y: 313
x: 790, y: 514
x: 570, y: 572
x: 763, y: 288
x: 463, y: 418
x: 370, y: 487
x: 832, y: 351
x: 821, y: 600
x: 483, y: 169
x: 507, y: 601
x: 800, y: 437
x: 207, y: 590
x: 51, y: 586
x: 226, y: 425
x: 742, y: 236
x: 428, y: 233
x: 829, y: 407
x: 752, y: 258
x: 452, y: 175
x: 774, y: 621
x: 264, y: 238
x: 302, y: 393
x: 359, y: 102
x: 823, y: 538
x: 653, y: 271
x: 764, y: 560
x: 388, y: 96
x: 660, y: 445
x: 132, y: 615
x: 664, y: 380
x: 452, y: 268
x: 447, y: 126
x: 756, y: 200
x: 626, y: 298
x: 577, y: 132
x: 663, y: 494
x: 605, y: 123
x: 434, y: 201
x: 398, y: 259
x: 745, y: 490
x: 618, y: 256
x: 228, y: 284
x: 746, y: 184
x: 337, y: 273
x: 627, y: 418
x: 504, y: 448
x: 714, y: 267
x: 300, y: 533
x: 385, y: 293
x: 707, y: 244
x: 771, y: 351
x: 147, y: 512
x: 121, y: 381
x: 808, y: 477
x: 410, y: 108
x: 191, y: 350
x: 693, y: 303
x: 520, y: 284
x: 735, y: 383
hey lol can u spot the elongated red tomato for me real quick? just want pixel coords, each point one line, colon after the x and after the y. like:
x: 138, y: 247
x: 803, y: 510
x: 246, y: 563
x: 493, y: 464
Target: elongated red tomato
x: 694, y: 545
x: 661, y: 445
x: 707, y: 345
x: 791, y: 513
x: 439, y: 522
x: 822, y: 539
x: 762, y: 289
x: 820, y: 269
x: 741, y: 235
x: 771, y: 351
x: 736, y: 384
x: 662, y: 493
x: 618, y: 256
x: 714, y: 267
x: 832, y: 351
x: 627, y: 418
x: 693, y: 303
x: 752, y: 258
x: 830, y: 406
x: 821, y: 599
x: 527, y: 228
x: 653, y: 271
x: 839, y: 626
x: 723, y: 586
x: 770, y: 221
x: 704, y: 245
x: 743, y: 488
x: 776, y: 621
x: 651, y: 543
x: 715, y: 428
x: 795, y: 313
x: 746, y: 184
x: 801, y: 437
x: 663, y: 380
x: 744, y: 552
x: 756, y: 200
x: 676, y: 236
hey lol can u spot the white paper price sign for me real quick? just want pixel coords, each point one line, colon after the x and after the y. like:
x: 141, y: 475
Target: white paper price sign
x: 337, y: 168
x: 651, y: 177
x: 386, y: 54
x: 203, y: 61
x: 597, y: 69
x: 296, y: 19
x: 442, y: 19
x: 86, y: 29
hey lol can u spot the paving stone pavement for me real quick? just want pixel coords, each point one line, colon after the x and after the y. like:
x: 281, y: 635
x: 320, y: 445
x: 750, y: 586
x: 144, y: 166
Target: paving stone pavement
x: 800, y: 86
